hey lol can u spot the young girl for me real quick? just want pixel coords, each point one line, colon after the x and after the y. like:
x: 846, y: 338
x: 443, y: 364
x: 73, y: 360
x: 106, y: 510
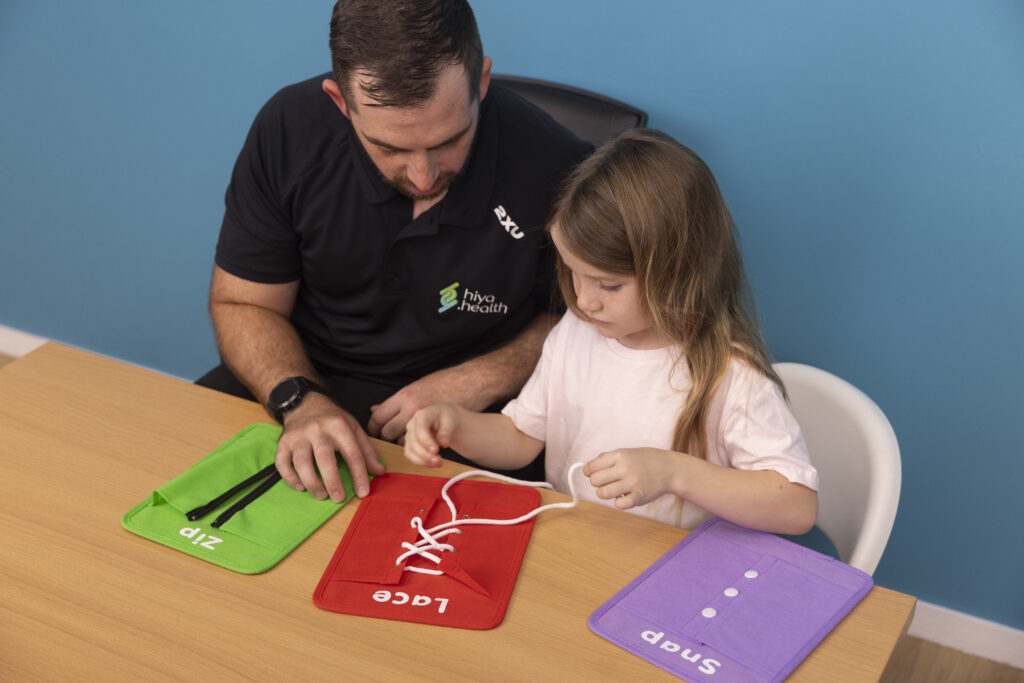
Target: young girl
x: 656, y: 378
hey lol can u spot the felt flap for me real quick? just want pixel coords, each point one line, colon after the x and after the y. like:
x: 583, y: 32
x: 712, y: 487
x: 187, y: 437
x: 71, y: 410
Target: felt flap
x: 255, y: 538
x: 731, y: 604
x: 478, y: 575
x: 471, y: 562
x: 371, y: 557
x: 241, y: 456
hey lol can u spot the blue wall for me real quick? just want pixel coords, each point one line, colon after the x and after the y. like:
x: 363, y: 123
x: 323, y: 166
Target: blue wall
x: 872, y: 153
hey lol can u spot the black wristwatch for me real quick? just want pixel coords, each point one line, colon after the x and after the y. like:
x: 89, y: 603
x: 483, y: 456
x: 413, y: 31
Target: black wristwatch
x: 288, y: 394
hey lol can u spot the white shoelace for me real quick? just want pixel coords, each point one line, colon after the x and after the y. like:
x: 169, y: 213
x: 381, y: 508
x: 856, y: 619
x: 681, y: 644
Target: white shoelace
x: 429, y: 537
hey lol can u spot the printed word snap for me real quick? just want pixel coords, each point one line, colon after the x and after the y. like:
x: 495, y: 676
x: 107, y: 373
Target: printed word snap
x: 707, y: 665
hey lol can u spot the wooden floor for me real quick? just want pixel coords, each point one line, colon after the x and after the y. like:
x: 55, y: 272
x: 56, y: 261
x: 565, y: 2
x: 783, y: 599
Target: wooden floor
x: 921, y: 661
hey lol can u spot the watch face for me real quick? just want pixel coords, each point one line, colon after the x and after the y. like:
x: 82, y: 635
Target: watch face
x: 286, y: 393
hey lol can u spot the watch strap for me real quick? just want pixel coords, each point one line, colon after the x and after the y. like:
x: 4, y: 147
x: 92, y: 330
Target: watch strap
x: 303, y: 385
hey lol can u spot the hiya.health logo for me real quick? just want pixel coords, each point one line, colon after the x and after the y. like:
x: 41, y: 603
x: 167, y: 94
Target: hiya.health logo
x: 449, y: 297
x: 472, y: 301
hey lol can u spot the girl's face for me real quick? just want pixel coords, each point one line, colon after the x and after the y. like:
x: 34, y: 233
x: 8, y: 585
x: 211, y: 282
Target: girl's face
x: 611, y: 302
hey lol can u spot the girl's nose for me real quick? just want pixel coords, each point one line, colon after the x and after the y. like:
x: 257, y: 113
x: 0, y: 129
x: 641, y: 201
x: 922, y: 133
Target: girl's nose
x: 586, y: 298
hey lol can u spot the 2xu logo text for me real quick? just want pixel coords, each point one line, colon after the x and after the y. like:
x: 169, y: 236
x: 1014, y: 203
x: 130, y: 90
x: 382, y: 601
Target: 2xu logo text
x: 506, y: 222
x: 197, y: 538
x: 401, y: 598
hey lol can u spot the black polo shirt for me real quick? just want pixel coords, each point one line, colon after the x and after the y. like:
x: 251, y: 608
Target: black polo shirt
x: 382, y: 295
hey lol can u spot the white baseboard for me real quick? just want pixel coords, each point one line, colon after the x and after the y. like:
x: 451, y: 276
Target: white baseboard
x: 17, y: 343
x: 969, y: 634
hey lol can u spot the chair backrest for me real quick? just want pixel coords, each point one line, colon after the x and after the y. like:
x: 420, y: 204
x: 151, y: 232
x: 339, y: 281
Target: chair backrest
x: 592, y: 117
x: 854, y: 448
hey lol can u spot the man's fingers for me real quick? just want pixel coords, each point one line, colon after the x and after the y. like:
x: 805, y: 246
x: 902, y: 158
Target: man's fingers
x: 380, y: 416
x: 394, y: 428
x: 370, y: 457
x: 327, y: 462
x: 283, y: 462
x: 352, y: 453
x: 302, y: 461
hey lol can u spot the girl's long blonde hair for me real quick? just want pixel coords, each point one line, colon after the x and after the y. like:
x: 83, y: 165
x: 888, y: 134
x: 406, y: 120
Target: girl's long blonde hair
x: 646, y: 206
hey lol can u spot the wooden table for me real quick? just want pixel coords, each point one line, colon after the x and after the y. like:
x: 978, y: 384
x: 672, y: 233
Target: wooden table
x: 84, y: 438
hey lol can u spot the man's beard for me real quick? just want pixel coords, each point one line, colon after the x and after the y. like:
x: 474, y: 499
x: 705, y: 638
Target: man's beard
x: 406, y: 187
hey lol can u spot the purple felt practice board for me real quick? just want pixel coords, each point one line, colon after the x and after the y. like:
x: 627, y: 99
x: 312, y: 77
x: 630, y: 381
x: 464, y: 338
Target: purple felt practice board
x: 731, y: 605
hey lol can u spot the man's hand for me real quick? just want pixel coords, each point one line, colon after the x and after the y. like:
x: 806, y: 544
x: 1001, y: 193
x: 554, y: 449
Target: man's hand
x: 430, y: 430
x: 313, y: 432
x: 473, y: 385
x: 633, y: 476
x: 388, y: 420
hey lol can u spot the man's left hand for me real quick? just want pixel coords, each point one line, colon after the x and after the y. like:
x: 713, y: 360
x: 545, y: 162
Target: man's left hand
x: 388, y: 419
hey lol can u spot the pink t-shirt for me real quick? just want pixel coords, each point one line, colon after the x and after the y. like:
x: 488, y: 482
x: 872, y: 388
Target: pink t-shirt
x: 590, y: 394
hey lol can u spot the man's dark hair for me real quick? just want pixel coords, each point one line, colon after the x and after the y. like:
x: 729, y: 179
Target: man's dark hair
x: 403, y: 45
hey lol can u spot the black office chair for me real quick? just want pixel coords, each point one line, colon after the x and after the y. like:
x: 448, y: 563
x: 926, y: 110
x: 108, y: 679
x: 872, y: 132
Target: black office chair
x: 594, y: 118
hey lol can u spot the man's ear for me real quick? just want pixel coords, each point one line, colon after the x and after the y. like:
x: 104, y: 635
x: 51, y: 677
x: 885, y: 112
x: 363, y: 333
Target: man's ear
x: 485, y: 77
x: 330, y: 87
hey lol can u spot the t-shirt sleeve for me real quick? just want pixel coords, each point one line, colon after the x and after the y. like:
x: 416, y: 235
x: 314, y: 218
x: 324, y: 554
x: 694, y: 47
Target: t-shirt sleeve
x: 257, y: 241
x: 529, y: 410
x: 761, y: 433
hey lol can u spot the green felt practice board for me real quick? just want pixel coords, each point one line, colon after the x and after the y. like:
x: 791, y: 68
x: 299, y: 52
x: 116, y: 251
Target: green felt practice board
x: 257, y: 537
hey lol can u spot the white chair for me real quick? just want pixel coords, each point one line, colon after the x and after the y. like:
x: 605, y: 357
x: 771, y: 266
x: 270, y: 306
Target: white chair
x: 854, y: 448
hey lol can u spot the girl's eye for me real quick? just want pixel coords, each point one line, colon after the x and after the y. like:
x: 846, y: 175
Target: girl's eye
x: 611, y: 288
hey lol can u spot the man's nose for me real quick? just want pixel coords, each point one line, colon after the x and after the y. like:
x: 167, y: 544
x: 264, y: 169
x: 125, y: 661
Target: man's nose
x: 423, y: 171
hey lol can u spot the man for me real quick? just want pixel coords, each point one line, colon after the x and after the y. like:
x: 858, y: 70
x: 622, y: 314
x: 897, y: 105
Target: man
x: 382, y: 246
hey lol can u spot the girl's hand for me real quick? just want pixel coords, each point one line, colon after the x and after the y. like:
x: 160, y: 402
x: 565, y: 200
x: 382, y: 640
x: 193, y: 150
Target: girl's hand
x: 430, y: 430
x: 633, y: 476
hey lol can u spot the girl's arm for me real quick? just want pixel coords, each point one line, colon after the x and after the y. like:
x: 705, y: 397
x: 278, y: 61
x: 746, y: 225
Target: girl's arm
x: 488, y: 439
x: 757, y: 499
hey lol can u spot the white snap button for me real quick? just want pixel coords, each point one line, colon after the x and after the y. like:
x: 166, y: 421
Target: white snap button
x: 709, y: 612
x: 750, y: 574
x: 731, y: 592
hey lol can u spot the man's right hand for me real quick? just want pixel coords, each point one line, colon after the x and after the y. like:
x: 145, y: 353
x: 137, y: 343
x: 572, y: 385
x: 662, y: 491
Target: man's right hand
x: 313, y: 432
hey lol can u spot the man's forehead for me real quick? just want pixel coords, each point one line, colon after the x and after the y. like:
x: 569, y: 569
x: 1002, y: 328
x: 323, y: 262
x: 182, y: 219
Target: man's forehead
x: 364, y: 85
x: 451, y: 83
x: 427, y: 124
